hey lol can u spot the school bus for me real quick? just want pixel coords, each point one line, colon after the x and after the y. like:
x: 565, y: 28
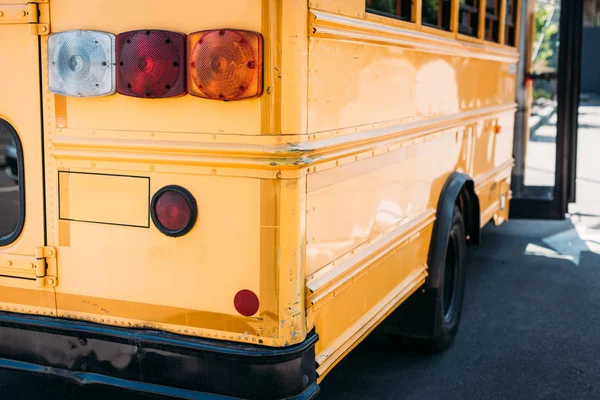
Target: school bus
x: 222, y: 199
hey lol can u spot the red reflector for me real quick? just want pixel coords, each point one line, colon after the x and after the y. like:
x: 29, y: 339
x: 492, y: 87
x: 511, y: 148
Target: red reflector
x: 225, y: 64
x: 150, y: 63
x: 246, y: 302
x: 173, y: 210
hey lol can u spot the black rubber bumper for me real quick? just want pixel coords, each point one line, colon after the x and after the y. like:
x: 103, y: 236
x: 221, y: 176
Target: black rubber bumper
x: 156, y: 362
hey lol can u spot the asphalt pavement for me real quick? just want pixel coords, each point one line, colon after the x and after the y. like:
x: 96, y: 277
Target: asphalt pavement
x: 530, y: 327
x: 530, y: 330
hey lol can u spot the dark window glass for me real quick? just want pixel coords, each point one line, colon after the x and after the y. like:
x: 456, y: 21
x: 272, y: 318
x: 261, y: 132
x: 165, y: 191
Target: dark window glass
x: 436, y: 13
x: 400, y: 9
x: 492, y: 20
x: 511, y: 22
x: 10, y: 188
x: 468, y: 17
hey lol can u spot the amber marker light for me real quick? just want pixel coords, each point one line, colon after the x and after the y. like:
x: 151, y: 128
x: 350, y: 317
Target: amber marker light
x: 225, y: 64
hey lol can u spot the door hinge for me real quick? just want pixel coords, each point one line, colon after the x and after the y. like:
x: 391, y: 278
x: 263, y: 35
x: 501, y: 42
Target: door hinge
x: 34, y: 13
x: 38, y: 12
x: 45, y: 266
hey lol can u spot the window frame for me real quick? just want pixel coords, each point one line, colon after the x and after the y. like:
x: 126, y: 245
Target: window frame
x: 474, y: 12
x: 415, y: 22
x: 511, y: 21
x: 11, y: 237
x: 496, y: 19
x: 394, y: 16
x: 442, y: 28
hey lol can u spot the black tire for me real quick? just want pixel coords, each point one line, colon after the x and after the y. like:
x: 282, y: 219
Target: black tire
x: 428, y: 320
x: 450, y: 296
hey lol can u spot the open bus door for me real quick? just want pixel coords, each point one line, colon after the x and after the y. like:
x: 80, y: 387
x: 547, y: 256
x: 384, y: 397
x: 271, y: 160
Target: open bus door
x: 545, y: 141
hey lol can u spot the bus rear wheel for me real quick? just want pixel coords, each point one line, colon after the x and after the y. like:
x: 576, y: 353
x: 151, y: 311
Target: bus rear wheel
x: 428, y: 320
x: 450, y: 296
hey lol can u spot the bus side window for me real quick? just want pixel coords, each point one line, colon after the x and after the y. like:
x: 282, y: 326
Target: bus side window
x: 511, y: 22
x: 492, y: 20
x: 436, y: 13
x: 468, y: 22
x: 399, y: 9
x: 11, y: 184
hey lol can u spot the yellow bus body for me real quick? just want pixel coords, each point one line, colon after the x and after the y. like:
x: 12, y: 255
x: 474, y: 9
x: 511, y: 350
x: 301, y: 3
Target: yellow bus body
x: 320, y: 196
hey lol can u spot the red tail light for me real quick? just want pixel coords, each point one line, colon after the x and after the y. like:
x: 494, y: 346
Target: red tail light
x: 225, y: 64
x: 173, y: 210
x: 151, y: 63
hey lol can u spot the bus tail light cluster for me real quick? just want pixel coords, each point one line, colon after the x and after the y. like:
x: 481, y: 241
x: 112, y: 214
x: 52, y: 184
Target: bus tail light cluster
x: 222, y: 64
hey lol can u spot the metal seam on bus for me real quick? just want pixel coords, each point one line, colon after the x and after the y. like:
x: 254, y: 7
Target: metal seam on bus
x: 343, y: 26
x: 324, y: 280
x: 327, y: 357
x: 279, y: 157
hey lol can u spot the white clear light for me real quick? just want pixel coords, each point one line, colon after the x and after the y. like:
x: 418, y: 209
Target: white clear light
x: 81, y: 63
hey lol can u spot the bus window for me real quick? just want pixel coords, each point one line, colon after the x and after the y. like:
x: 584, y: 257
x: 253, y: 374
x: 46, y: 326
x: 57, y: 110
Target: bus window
x: 10, y: 199
x: 400, y: 9
x: 469, y: 17
x: 511, y: 22
x: 492, y: 20
x: 436, y: 13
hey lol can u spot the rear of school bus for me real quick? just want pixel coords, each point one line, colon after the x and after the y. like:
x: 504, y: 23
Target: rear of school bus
x: 157, y: 243
x: 225, y: 198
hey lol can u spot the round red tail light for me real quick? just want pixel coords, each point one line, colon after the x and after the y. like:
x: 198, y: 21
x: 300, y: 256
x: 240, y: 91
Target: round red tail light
x: 151, y: 63
x: 246, y: 302
x: 173, y: 210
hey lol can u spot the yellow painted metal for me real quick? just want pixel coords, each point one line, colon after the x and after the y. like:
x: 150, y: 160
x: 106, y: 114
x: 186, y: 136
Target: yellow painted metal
x: 20, y: 105
x: 481, y: 24
x: 319, y: 196
x: 14, y: 14
x: 45, y: 266
x: 34, y: 13
x: 121, y: 200
x: 454, y: 16
x: 502, y: 26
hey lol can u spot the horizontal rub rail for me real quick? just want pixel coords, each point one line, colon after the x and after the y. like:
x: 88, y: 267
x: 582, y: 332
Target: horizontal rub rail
x: 329, y: 356
x: 335, y: 275
x: 288, y: 156
x: 336, y: 26
x: 499, y: 172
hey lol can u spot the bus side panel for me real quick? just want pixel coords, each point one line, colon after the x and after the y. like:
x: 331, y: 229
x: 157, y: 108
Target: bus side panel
x: 369, y: 226
x: 492, y: 164
x: 353, y: 309
x: 354, y: 203
x: 412, y: 109
x: 406, y: 97
x: 382, y: 85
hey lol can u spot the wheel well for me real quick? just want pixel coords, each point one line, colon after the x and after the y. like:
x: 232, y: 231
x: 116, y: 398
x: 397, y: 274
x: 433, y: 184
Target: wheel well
x: 468, y: 203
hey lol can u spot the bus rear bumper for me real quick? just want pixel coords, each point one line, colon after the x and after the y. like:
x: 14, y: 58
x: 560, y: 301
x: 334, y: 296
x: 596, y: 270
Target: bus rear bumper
x: 156, y: 362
